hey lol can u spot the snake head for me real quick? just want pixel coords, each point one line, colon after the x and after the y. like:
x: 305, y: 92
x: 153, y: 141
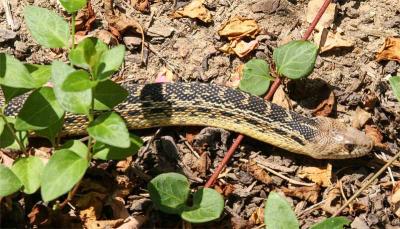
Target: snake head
x: 340, y: 141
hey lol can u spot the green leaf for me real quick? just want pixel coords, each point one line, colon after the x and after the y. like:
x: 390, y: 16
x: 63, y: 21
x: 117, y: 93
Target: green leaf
x: 332, y: 223
x: 46, y: 27
x: 109, y: 62
x: 29, y: 171
x: 40, y: 73
x: 87, y: 53
x: 64, y: 169
x: 75, y: 102
x: 7, y: 139
x: 14, y: 74
x: 395, y: 83
x: 2, y: 125
x: 71, y: 6
x: 208, y: 205
x: 39, y: 111
x: 110, y: 129
x: 278, y: 213
x: 77, y: 147
x: 108, y: 94
x: 256, y: 78
x: 106, y: 152
x: 169, y: 192
x: 295, y: 59
x: 52, y: 131
x: 9, y: 182
x: 10, y: 92
x: 78, y: 81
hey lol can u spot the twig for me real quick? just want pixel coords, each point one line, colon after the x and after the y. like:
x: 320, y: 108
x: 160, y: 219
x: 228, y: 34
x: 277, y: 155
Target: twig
x: 312, y: 207
x: 314, y: 23
x: 9, y: 18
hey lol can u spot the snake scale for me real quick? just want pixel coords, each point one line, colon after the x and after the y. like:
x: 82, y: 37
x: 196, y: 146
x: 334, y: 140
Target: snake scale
x: 198, y: 104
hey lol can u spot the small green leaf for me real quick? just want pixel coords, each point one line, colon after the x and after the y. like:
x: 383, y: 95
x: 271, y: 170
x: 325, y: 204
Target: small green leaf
x: 29, y: 171
x: 7, y: 139
x: 14, y: 74
x: 169, y: 192
x: 295, y: 59
x: 107, y: 152
x: 75, y: 102
x: 332, y: 223
x: 71, y: 6
x: 52, y: 131
x: 39, y: 111
x: 64, y: 169
x: 395, y: 83
x: 9, y: 182
x: 78, y: 81
x: 256, y: 77
x: 10, y: 92
x: 109, y: 62
x: 108, y: 94
x: 208, y: 205
x: 40, y: 73
x: 46, y: 27
x: 77, y: 147
x: 87, y: 53
x: 278, y: 213
x: 110, y: 129
x: 2, y: 124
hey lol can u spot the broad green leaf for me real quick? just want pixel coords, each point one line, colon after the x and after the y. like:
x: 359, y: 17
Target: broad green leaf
x: 256, y: 78
x: 10, y: 92
x: 29, y: 171
x: 332, y: 223
x: 14, y: 74
x: 109, y: 62
x: 46, y: 27
x: 78, y: 81
x: 208, y: 205
x: 77, y: 147
x: 9, y: 182
x: 108, y: 94
x: 169, y: 192
x: 278, y: 214
x: 295, y: 59
x: 7, y: 139
x: 39, y: 111
x: 87, y: 53
x: 2, y: 124
x: 75, y: 102
x: 64, y: 169
x: 72, y: 6
x: 395, y: 83
x: 52, y: 131
x: 107, y: 152
x: 40, y: 73
x: 110, y: 129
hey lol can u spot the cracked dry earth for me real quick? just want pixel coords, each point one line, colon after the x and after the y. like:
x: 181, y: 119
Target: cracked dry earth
x: 346, y: 78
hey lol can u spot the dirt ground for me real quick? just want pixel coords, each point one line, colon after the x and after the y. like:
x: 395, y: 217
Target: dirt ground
x: 348, y: 77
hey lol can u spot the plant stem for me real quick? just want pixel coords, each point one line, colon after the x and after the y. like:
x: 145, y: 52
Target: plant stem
x: 73, y: 16
x: 8, y: 125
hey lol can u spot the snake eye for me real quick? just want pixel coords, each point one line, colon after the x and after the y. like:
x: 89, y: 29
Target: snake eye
x: 349, y: 146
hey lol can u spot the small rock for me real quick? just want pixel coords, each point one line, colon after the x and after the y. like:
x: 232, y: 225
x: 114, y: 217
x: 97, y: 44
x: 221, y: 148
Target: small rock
x: 359, y: 223
x: 266, y: 6
x: 160, y: 29
x: 6, y: 35
x: 132, y: 41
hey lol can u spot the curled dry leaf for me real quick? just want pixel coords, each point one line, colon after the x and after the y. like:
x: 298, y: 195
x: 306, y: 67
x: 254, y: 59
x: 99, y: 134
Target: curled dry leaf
x: 237, y: 28
x: 360, y: 117
x: 240, y: 48
x: 257, y: 217
x: 390, y: 50
x: 305, y: 193
x: 331, y: 204
x: 225, y: 189
x: 280, y: 98
x: 327, y: 18
x: 375, y: 135
x: 236, y: 76
x: 195, y: 9
x: 319, y: 175
x: 325, y: 108
x: 84, y: 20
x: 329, y: 41
x: 257, y: 172
x: 107, y: 37
x: 164, y: 76
x: 141, y: 5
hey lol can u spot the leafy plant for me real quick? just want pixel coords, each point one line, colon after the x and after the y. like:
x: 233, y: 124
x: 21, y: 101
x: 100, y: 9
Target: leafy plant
x: 278, y: 214
x: 81, y: 88
x: 395, y: 83
x: 170, y: 192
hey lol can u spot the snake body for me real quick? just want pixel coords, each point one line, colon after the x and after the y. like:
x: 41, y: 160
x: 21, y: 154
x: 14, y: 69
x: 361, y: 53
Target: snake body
x: 198, y: 104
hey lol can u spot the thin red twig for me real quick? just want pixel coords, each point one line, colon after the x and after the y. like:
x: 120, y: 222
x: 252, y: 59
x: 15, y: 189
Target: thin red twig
x: 268, y: 97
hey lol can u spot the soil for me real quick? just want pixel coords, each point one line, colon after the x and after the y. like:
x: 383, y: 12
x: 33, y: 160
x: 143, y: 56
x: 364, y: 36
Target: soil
x: 189, y: 49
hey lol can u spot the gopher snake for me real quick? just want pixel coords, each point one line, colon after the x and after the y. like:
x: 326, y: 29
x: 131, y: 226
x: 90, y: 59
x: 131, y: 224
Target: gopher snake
x: 197, y: 104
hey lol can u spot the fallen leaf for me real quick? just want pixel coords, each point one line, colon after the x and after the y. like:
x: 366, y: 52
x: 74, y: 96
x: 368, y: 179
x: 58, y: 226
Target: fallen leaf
x: 394, y: 199
x: 374, y: 133
x: 99, y: 224
x: 195, y: 9
x: 84, y: 20
x: 360, y: 117
x: 305, y: 193
x: 237, y: 28
x: 134, y: 222
x: 164, y: 76
x: 319, y: 175
x: 92, y: 204
x: 117, y: 205
x: 225, y: 189
x: 327, y: 18
x: 240, y: 48
x: 328, y: 40
x: 141, y: 5
x: 257, y: 217
x: 390, y: 50
x: 280, y: 98
x: 202, y: 164
x: 124, y: 165
x: 331, y: 204
x: 106, y: 37
x: 257, y: 172
x: 325, y: 108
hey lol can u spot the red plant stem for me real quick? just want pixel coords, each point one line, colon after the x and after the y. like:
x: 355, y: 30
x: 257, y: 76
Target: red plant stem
x: 268, y: 97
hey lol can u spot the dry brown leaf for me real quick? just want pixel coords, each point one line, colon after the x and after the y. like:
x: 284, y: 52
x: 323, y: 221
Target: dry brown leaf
x: 238, y: 27
x: 124, y: 165
x: 360, y: 117
x: 394, y: 199
x: 141, y: 5
x: 325, y: 108
x: 202, y: 164
x: 390, y: 50
x: 239, y: 47
x: 117, y: 205
x: 305, y: 193
x: 84, y: 20
x: 375, y: 135
x: 135, y: 222
x: 331, y: 205
x: 107, y: 37
x: 257, y: 217
x: 319, y: 175
x: 224, y: 189
x: 327, y: 18
x: 280, y: 98
x: 328, y: 41
x: 195, y: 9
x: 257, y: 172
x: 165, y: 75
